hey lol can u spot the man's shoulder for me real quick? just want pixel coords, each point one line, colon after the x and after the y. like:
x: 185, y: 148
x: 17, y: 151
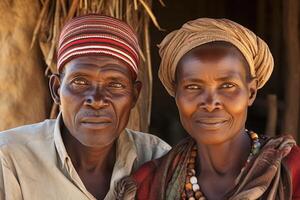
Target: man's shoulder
x: 147, y: 139
x: 150, y: 146
x: 27, y: 133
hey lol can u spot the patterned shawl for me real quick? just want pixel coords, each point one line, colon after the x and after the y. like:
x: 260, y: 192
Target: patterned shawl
x: 265, y: 177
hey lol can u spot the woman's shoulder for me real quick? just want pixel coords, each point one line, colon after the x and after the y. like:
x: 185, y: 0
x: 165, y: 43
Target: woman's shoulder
x: 292, y: 161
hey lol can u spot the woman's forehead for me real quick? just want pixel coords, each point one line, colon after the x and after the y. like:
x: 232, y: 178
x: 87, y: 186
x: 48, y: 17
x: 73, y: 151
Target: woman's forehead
x: 220, y: 66
x: 213, y: 55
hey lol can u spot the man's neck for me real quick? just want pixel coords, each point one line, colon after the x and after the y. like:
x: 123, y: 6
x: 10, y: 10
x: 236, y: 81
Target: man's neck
x: 93, y: 165
x: 89, y: 158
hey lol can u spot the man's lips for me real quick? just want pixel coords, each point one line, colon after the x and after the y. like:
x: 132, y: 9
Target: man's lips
x: 96, y: 122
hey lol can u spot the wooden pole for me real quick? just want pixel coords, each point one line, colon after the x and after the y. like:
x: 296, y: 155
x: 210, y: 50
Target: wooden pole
x: 272, y: 115
x: 292, y: 86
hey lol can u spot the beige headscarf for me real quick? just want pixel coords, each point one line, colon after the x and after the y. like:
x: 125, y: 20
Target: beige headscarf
x: 204, y: 30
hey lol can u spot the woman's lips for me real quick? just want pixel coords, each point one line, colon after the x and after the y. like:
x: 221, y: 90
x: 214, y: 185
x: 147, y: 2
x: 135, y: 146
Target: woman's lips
x: 211, y: 123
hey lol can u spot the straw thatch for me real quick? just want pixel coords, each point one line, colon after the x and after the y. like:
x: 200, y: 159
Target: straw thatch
x: 137, y: 13
x: 24, y: 90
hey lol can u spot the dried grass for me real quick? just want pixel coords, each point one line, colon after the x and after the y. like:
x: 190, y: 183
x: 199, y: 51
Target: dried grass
x: 55, y: 13
x: 137, y: 13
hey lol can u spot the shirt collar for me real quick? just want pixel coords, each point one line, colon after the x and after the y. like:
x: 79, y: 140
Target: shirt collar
x: 126, y: 154
x: 60, y: 147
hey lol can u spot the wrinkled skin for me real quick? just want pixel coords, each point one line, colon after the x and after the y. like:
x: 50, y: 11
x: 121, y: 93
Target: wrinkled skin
x: 96, y: 95
x: 213, y: 93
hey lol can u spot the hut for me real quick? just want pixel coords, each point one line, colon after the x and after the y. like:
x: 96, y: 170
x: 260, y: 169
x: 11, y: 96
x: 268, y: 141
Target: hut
x: 29, y: 31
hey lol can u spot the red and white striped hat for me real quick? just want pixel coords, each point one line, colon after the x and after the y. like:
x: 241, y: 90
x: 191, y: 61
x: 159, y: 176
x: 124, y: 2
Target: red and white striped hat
x: 98, y: 34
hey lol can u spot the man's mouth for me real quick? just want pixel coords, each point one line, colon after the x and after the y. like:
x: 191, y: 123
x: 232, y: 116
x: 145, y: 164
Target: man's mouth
x: 96, y: 122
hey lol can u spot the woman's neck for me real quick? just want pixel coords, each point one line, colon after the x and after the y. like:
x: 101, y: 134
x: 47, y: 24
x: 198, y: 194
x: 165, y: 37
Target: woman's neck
x: 227, y: 158
x: 219, y: 165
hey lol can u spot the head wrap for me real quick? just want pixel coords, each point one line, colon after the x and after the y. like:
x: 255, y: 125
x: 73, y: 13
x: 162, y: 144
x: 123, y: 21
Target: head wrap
x: 204, y: 30
x: 98, y: 35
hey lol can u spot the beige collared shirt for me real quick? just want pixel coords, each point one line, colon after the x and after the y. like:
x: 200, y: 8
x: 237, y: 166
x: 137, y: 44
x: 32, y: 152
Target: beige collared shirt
x: 34, y: 164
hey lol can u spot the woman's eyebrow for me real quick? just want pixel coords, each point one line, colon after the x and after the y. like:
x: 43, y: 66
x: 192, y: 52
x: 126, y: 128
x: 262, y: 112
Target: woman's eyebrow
x: 229, y: 76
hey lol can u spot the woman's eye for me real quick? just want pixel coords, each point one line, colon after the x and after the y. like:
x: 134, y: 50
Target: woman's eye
x: 193, y: 87
x: 227, y: 85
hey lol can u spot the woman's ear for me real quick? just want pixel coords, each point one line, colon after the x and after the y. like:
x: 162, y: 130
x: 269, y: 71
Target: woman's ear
x: 252, y: 90
x: 54, y: 85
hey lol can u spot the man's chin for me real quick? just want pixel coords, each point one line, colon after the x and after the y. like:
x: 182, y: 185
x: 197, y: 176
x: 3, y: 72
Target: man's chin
x: 97, y: 137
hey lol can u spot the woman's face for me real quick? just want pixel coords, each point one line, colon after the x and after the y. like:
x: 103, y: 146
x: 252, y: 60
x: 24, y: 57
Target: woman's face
x: 213, y: 93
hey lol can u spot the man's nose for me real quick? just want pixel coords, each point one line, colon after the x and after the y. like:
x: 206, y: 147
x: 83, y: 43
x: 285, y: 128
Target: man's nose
x: 97, y: 98
x: 210, y: 101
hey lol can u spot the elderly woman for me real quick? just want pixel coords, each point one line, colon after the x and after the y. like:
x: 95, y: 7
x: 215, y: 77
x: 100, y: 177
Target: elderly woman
x: 213, y: 68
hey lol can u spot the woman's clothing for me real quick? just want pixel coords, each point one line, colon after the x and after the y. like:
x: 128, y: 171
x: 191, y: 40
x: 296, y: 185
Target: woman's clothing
x: 274, y: 173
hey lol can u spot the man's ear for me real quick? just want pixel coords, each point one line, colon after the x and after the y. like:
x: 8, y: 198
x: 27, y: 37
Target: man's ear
x: 252, y: 90
x: 54, y: 85
x: 137, y: 86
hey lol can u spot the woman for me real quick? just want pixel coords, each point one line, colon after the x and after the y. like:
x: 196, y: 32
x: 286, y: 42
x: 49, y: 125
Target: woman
x: 213, y: 68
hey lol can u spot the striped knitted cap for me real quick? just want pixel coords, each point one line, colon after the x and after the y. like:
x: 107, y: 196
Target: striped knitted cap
x: 97, y: 34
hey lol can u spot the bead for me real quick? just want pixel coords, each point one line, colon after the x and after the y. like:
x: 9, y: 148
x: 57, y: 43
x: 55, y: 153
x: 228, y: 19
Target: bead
x: 195, y: 147
x: 255, y: 151
x: 193, y: 180
x: 192, y: 160
x: 198, y: 194
x: 188, y: 186
x: 196, y: 187
x: 202, y: 198
x: 192, y: 171
x: 191, y: 166
x: 256, y: 145
x: 191, y: 198
x: 193, y: 154
x: 253, y: 135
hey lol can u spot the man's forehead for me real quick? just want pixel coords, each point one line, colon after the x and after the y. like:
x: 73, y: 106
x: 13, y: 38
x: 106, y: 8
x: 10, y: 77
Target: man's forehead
x: 96, y: 64
x: 97, y: 59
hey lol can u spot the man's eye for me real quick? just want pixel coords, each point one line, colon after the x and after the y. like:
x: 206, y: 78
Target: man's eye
x: 80, y: 82
x: 116, y: 85
x: 227, y: 85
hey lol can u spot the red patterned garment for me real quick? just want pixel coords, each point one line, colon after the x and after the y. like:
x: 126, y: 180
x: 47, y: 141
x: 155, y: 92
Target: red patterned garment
x: 276, y: 170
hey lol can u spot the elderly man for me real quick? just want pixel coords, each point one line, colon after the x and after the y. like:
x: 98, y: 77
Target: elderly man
x: 86, y: 150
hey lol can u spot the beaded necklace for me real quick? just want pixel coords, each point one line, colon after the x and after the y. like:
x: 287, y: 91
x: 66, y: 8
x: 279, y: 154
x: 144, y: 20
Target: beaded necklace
x: 192, y: 188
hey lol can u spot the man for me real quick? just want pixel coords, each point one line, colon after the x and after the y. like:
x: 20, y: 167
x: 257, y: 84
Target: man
x: 85, y: 151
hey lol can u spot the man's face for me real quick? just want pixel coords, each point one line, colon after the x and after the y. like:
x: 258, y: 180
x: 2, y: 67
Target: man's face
x: 96, y: 95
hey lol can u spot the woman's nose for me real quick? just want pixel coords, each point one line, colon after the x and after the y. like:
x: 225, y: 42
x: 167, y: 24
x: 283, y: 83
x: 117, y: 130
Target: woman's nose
x: 210, y: 101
